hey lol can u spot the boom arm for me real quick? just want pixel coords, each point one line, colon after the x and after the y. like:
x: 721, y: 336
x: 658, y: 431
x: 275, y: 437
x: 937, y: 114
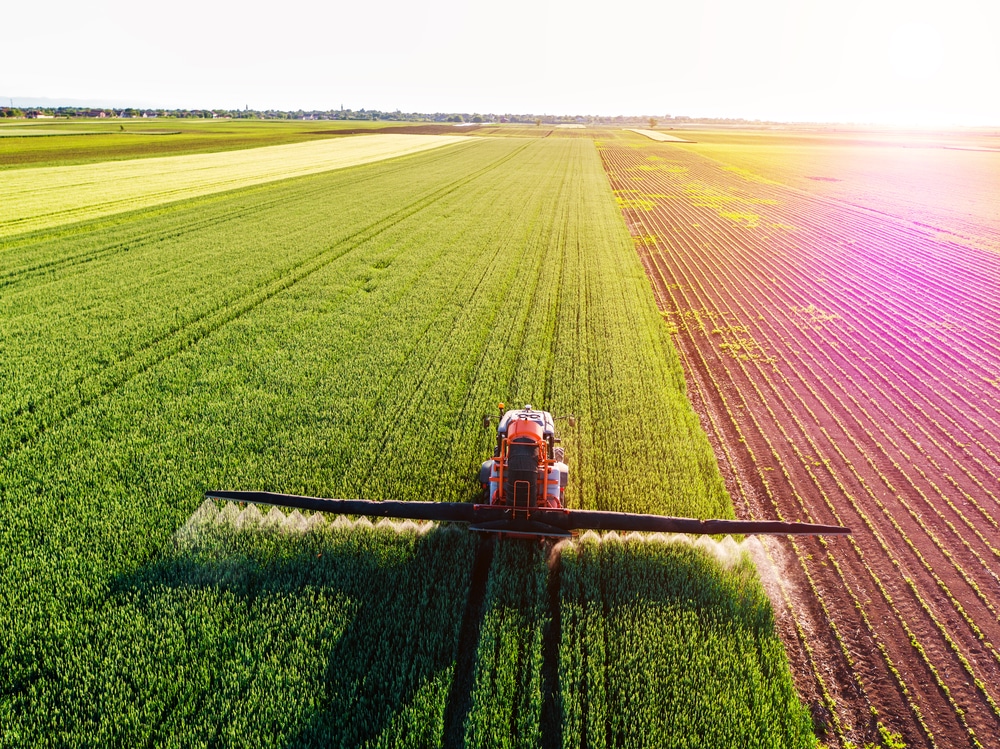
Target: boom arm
x: 542, y: 521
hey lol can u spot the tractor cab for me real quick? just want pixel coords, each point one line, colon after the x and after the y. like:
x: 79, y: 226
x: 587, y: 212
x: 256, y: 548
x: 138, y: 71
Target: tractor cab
x: 527, y: 469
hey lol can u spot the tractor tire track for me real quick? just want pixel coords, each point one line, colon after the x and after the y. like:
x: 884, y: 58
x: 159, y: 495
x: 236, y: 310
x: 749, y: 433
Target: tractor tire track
x: 460, y: 695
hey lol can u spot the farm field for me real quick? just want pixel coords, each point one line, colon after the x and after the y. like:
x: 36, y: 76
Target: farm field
x: 342, y: 334
x: 27, y: 131
x: 27, y: 144
x: 942, y: 181
x: 660, y: 136
x: 840, y: 348
x: 545, y: 130
x: 49, y: 196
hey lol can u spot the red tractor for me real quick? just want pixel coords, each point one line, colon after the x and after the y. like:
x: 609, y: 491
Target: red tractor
x: 527, y: 469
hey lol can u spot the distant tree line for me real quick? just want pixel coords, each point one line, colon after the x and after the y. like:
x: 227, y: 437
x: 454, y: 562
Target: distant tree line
x: 366, y: 114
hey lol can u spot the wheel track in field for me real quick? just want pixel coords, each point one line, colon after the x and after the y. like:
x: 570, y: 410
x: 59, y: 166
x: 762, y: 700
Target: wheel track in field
x: 551, y: 716
x: 25, y: 425
x: 459, y: 702
x: 141, y: 241
x: 935, y: 622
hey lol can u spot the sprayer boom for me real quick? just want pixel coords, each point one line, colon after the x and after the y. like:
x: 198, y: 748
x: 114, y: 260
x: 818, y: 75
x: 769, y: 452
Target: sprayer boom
x: 539, y: 521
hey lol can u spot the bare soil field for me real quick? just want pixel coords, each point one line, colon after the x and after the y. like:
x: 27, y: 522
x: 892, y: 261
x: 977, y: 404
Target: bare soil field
x: 943, y: 181
x: 842, y: 347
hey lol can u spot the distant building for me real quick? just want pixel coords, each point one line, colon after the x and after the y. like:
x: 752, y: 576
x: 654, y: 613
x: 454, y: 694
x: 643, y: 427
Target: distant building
x: 34, y: 114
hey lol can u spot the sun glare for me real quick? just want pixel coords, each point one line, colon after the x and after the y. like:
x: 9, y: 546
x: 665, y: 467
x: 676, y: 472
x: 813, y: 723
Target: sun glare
x: 915, y: 52
x: 919, y: 93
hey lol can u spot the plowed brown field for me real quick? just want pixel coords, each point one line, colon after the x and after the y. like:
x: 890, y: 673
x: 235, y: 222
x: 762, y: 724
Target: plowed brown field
x: 846, y: 364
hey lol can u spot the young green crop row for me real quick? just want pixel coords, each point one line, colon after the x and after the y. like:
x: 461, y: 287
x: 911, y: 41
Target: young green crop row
x: 339, y: 335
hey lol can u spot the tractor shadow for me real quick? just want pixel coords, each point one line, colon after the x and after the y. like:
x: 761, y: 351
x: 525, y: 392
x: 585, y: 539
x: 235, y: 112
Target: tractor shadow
x: 359, y: 635
x: 648, y: 623
x: 346, y: 636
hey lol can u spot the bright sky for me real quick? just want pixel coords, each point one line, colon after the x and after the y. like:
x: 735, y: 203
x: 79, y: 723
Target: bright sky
x: 895, y: 61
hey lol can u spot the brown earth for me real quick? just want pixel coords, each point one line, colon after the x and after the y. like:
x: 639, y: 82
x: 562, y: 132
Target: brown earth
x: 846, y: 366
